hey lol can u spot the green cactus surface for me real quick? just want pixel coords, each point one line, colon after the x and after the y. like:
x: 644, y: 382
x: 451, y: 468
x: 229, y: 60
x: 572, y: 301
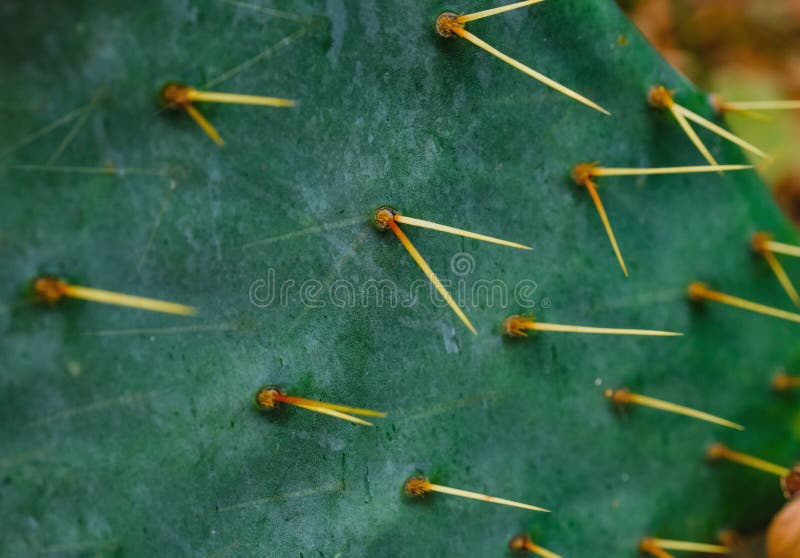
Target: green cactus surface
x: 130, y: 433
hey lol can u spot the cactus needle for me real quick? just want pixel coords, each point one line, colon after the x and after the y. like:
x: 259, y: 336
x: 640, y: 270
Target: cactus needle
x: 720, y: 131
x: 449, y: 24
x: 652, y: 545
x: 494, y: 11
x: 426, y: 269
x: 661, y: 97
x: 698, y: 291
x: 760, y: 245
x: 593, y: 170
x: 760, y: 105
x: 719, y: 105
x: 523, y: 542
x: 458, y: 232
x: 781, y: 248
x: 204, y: 124
x: 52, y: 289
x: 237, y: 99
x: 517, y: 325
x: 583, y: 177
x: 625, y: 397
x: 720, y: 451
x: 419, y: 486
x: 180, y: 96
x: 269, y: 396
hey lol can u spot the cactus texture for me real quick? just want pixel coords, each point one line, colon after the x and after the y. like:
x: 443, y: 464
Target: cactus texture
x: 128, y: 433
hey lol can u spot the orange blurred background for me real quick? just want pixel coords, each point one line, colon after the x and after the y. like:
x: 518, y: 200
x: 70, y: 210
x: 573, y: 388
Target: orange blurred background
x: 745, y: 50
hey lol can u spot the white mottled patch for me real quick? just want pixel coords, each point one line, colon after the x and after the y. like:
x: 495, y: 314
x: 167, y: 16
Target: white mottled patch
x: 337, y: 12
x: 449, y: 338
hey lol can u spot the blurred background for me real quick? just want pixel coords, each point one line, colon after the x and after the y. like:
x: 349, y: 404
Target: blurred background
x: 745, y: 50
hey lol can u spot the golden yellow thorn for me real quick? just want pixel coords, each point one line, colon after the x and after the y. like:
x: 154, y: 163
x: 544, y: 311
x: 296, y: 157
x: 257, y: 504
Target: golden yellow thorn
x: 668, y: 544
x: 660, y: 97
x: 720, y: 131
x: 449, y: 24
x: 523, y: 543
x: 268, y: 398
x: 720, y: 451
x: 600, y: 171
x: 624, y: 397
x: 333, y: 413
x: 698, y: 291
x: 689, y: 131
x: 752, y: 115
x: 721, y: 107
x: 648, y: 546
x: 760, y: 105
x: 517, y: 325
x: 236, y: 99
x: 582, y: 175
x: 494, y: 11
x: 760, y: 244
x: 52, y: 289
x: 398, y: 218
x: 781, y: 248
x: 385, y: 218
x: 784, y: 382
x: 782, y: 277
x: 419, y: 486
x: 204, y: 124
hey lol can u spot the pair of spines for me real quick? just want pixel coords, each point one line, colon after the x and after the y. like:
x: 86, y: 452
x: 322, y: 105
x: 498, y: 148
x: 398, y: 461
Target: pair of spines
x: 182, y: 97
